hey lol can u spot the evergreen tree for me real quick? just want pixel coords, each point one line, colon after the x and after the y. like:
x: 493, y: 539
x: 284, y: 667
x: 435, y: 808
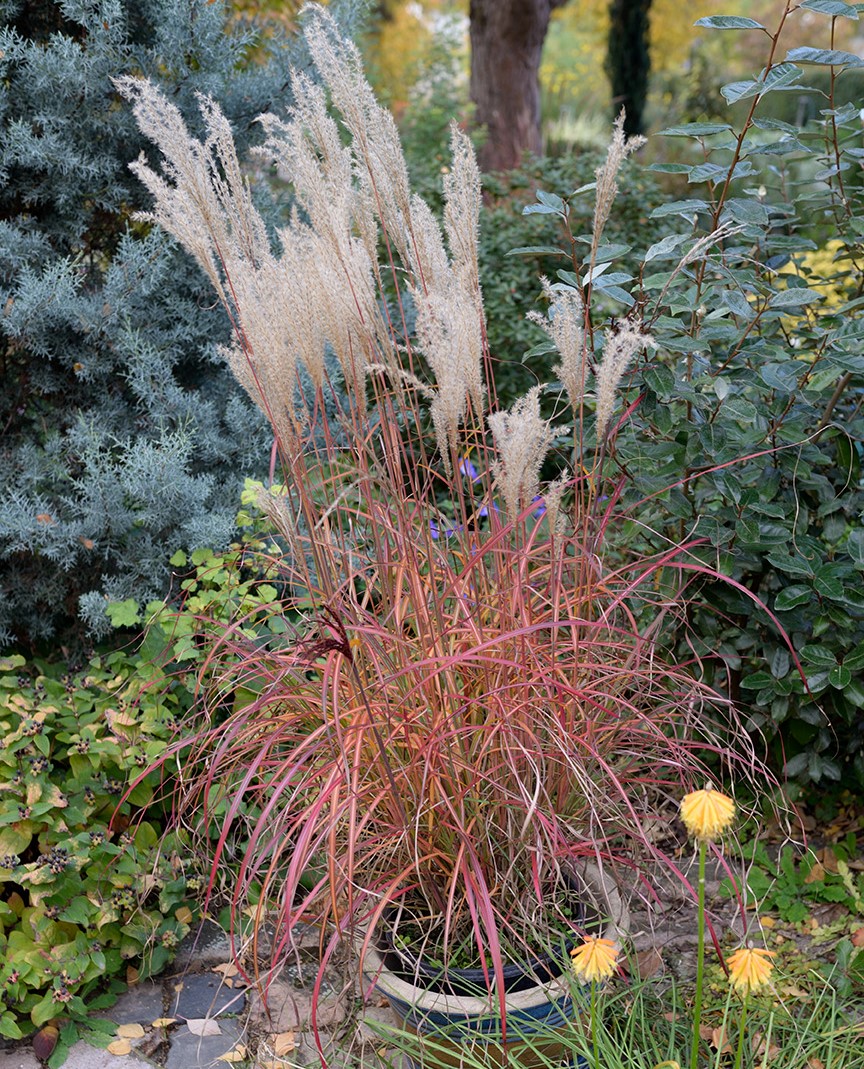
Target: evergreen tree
x: 123, y: 436
x: 628, y: 60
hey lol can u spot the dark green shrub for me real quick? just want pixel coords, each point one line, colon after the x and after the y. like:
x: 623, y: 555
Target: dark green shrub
x: 510, y: 279
x: 745, y: 431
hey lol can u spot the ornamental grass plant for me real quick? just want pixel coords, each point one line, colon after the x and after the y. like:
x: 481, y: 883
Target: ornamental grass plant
x: 464, y: 690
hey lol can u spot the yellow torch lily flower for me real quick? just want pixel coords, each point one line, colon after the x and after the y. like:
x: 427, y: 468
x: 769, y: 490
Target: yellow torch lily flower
x: 595, y: 959
x: 707, y: 813
x: 749, y: 969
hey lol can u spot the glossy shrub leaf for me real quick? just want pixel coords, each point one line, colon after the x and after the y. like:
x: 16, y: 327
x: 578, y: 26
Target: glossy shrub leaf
x: 791, y: 597
x: 666, y: 247
x: 824, y: 57
x: 729, y: 22
x: 818, y: 655
x: 696, y: 129
x: 680, y: 207
x: 831, y: 7
x: 537, y: 250
x: 839, y: 677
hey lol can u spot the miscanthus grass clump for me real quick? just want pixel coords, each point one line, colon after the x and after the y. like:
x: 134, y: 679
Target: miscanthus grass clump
x: 470, y: 696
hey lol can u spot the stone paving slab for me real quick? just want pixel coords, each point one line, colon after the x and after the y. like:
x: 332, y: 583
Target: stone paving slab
x: 202, y: 1052
x: 204, y: 995
x: 141, y: 1004
x: 205, y: 946
x: 18, y: 1059
x: 83, y: 1056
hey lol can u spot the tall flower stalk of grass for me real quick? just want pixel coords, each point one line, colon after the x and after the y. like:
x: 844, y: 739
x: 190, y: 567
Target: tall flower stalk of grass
x: 706, y: 814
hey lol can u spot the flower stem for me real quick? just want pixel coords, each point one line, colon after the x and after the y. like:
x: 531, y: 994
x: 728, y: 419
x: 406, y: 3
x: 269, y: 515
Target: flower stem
x: 700, y: 958
x: 742, y: 1028
x: 594, y: 1043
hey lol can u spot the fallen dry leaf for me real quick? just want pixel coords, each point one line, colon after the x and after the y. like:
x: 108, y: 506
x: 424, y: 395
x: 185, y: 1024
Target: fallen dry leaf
x: 828, y: 859
x: 816, y: 873
x: 119, y: 1046
x: 163, y: 1022
x: 858, y: 937
x: 815, y: 1063
x: 131, y: 975
x: 757, y: 1045
x: 227, y: 968
x: 236, y: 1054
x: 130, y: 1031
x: 719, y: 1041
x: 282, y: 1043
x: 649, y: 963
x: 203, y: 1026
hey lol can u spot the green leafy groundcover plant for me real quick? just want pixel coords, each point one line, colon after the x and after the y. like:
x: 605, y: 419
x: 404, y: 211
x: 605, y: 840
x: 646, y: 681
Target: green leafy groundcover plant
x: 89, y: 888
x: 93, y: 884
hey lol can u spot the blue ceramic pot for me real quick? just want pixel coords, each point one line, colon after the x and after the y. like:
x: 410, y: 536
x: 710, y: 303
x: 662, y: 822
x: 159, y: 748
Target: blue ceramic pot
x: 537, y: 1018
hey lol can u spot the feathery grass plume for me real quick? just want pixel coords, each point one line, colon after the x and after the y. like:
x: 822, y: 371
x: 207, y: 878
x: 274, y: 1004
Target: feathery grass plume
x: 204, y: 202
x: 446, y: 290
x: 209, y: 215
x: 553, y: 496
x: 380, y: 164
x: 522, y: 438
x: 565, y: 325
x: 309, y: 151
x: 621, y: 345
x: 620, y: 147
x: 462, y: 203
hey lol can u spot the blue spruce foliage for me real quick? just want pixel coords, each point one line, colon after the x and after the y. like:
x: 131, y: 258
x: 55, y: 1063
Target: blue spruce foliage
x: 124, y: 438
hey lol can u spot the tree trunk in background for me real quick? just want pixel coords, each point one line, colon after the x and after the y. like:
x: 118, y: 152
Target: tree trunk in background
x: 628, y: 60
x: 506, y: 45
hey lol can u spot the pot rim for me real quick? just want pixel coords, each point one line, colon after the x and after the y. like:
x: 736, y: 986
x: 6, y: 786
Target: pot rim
x: 604, y: 894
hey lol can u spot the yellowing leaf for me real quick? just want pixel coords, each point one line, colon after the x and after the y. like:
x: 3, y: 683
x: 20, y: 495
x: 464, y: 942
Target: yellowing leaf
x: 119, y: 1046
x: 131, y: 975
x: 130, y: 1031
x: 719, y: 1041
x: 816, y: 874
x: 227, y: 968
x: 767, y: 922
x: 183, y: 914
x: 163, y: 1022
x: 283, y: 1043
x: 237, y: 1054
x: 203, y: 1026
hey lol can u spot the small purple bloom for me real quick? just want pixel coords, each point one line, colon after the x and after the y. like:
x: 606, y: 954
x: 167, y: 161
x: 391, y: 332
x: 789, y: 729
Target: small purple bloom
x: 467, y: 468
x: 541, y: 508
x: 448, y: 532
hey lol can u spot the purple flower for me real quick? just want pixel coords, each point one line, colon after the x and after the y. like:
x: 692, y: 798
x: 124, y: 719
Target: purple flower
x: 541, y: 508
x: 448, y: 532
x: 467, y: 468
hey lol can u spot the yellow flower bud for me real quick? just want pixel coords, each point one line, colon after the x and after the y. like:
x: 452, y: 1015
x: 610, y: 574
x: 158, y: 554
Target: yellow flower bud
x: 595, y: 959
x: 750, y: 969
x: 707, y: 814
